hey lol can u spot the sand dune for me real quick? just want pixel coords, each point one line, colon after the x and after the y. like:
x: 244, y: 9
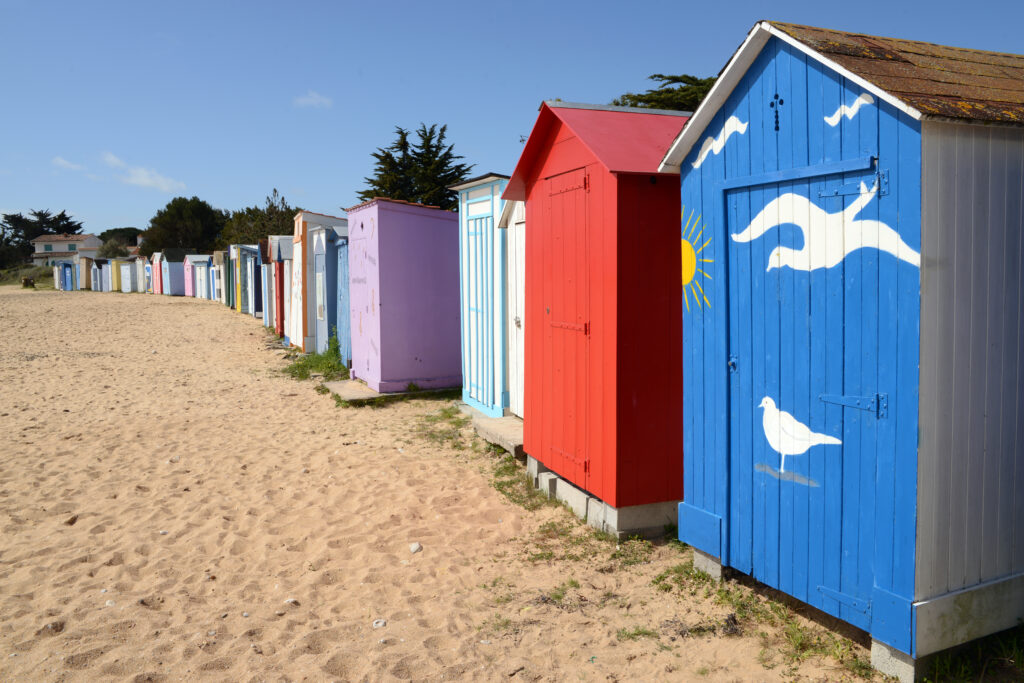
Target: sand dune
x: 173, y: 508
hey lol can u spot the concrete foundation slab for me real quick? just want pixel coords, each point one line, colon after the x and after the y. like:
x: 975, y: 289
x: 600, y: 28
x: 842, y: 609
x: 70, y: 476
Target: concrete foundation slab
x: 636, y: 520
x: 546, y: 482
x: 534, y: 468
x: 506, y: 431
x: 892, y: 662
x: 707, y: 564
x: 355, y: 392
x: 575, y: 498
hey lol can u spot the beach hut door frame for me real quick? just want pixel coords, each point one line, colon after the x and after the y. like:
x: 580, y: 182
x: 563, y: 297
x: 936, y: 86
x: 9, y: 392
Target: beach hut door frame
x: 566, y: 356
x: 804, y: 419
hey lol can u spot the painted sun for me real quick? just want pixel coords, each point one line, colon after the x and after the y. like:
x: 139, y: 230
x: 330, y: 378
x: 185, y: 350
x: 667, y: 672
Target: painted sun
x: 692, y: 233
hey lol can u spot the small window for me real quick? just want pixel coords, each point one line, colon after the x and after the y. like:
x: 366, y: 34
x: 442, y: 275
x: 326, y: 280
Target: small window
x: 47, y: 247
x: 71, y: 247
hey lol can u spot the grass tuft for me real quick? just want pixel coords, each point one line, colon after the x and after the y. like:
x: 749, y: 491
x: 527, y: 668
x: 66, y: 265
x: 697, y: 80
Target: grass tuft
x: 327, y: 364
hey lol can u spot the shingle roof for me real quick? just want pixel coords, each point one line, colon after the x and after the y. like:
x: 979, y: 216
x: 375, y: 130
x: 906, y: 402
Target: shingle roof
x: 62, y: 238
x: 934, y: 79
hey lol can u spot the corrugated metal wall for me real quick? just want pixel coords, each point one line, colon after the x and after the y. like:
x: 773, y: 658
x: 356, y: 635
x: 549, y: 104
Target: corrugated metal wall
x: 971, y: 481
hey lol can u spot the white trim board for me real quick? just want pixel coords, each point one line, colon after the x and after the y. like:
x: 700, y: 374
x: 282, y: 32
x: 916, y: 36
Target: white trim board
x: 730, y: 77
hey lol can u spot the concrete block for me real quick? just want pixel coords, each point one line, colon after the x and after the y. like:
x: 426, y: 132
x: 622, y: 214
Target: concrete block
x: 707, y: 564
x: 546, y: 482
x: 535, y: 467
x: 892, y: 662
x: 507, y: 432
x: 648, y: 521
x: 575, y: 498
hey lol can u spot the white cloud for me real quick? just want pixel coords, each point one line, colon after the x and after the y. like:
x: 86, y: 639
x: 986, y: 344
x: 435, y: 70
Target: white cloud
x: 146, y: 177
x: 94, y: 177
x: 140, y: 176
x: 313, y: 99
x: 61, y: 162
x: 111, y: 160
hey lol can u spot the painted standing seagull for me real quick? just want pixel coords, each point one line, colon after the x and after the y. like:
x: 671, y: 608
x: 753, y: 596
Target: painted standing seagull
x: 788, y: 436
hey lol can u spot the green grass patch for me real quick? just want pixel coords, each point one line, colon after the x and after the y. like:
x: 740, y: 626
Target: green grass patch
x: 635, y: 633
x: 327, y: 364
x: 444, y: 427
x: 999, y: 657
x: 511, y: 480
x: 43, y: 275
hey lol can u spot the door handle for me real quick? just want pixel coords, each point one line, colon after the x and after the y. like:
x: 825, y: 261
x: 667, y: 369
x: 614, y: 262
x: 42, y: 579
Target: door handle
x: 732, y: 364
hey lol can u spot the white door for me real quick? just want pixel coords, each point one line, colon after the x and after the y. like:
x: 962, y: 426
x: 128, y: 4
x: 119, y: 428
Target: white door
x: 516, y: 306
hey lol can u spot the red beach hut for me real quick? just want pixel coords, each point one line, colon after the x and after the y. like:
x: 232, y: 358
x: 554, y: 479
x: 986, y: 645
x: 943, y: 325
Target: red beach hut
x: 603, y: 381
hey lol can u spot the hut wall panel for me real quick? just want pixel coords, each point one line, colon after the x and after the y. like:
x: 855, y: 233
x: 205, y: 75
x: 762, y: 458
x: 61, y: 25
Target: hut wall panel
x: 851, y: 328
x: 482, y: 285
x: 971, y: 482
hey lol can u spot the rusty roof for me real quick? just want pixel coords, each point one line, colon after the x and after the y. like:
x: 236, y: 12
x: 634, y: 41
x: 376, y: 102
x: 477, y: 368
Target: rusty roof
x: 936, y: 80
x: 62, y: 238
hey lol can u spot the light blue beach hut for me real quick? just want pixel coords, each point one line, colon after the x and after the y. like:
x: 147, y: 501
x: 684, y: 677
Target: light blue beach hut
x: 325, y: 242
x: 483, y: 293
x: 849, y: 439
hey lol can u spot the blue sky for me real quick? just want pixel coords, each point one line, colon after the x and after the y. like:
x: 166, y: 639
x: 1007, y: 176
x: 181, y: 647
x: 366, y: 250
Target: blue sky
x: 110, y: 109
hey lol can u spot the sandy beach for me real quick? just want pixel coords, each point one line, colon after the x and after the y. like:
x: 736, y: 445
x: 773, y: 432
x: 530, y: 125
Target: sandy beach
x: 173, y: 507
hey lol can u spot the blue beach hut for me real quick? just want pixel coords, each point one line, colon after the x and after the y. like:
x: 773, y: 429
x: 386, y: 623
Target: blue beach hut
x: 326, y: 241
x: 343, y: 316
x: 172, y: 271
x: 483, y: 286
x: 850, y: 438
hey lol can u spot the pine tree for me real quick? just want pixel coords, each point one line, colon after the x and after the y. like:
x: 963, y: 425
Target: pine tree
x: 679, y: 93
x: 419, y: 172
x: 250, y: 225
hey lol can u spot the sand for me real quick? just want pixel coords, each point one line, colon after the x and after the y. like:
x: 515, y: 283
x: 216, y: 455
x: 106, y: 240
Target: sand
x: 174, y: 508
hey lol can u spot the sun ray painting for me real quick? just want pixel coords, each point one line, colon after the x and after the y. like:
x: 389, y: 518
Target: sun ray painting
x: 693, y: 261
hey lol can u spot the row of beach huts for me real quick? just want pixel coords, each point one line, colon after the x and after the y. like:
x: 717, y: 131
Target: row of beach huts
x: 818, y: 379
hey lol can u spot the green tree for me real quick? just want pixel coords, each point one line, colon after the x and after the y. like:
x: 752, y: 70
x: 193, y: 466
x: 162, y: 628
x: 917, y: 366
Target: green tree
x: 417, y: 172
x: 680, y: 93
x: 126, y: 235
x: 185, y: 224
x: 249, y: 225
x: 112, y: 248
x: 18, y: 231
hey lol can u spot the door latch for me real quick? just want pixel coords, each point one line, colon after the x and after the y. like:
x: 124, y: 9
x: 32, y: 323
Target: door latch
x: 732, y: 363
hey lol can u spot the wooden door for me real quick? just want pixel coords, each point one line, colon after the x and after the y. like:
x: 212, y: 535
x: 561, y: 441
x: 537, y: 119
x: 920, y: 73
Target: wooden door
x: 805, y: 399
x: 566, y: 315
x: 516, y: 306
x: 320, y: 303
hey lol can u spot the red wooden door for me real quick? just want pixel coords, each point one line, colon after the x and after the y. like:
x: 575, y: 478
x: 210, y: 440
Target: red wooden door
x: 568, y: 326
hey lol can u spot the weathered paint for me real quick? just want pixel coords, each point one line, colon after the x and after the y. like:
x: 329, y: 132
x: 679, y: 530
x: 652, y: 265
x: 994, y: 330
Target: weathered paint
x: 801, y: 308
x: 404, y: 295
x: 303, y: 301
x: 343, y: 303
x: 281, y: 257
x: 603, y: 392
x: 158, y: 279
x: 115, y: 274
x: 482, y: 295
x: 326, y: 241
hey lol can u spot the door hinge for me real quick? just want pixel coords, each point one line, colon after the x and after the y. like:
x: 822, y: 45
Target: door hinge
x: 877, y: 404
x: 586, y: 182
x: 586, y: 465
x: 881, y: 178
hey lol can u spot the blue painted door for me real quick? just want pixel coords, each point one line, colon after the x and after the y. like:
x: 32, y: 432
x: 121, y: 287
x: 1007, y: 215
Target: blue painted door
x: 68, y: 281
x: 804, y: 386
x: 320, y: 287
x: 243, y: 274
x: 343, y: 316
